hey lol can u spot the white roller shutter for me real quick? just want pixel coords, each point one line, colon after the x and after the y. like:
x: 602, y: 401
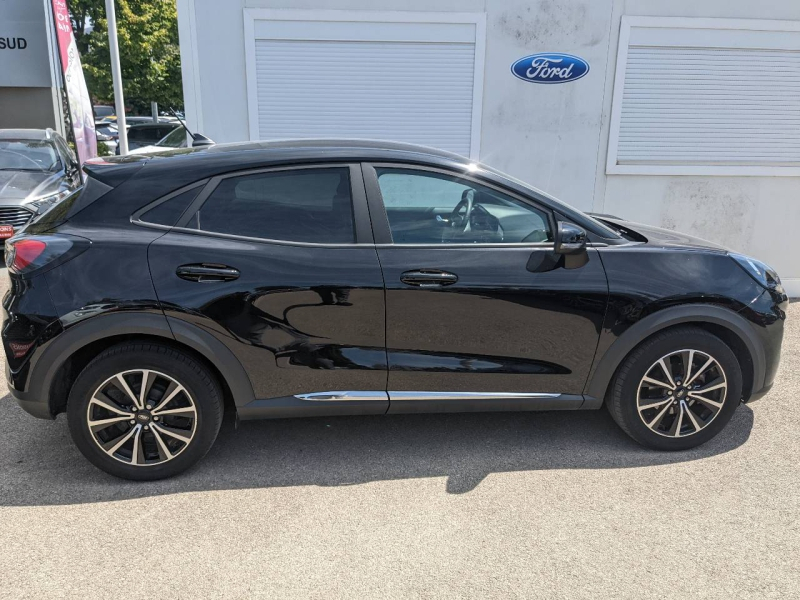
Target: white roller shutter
x: 399, y: 81
x: 705, y: 96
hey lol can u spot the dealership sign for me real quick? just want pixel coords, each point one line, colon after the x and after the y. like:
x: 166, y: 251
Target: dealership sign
x: 24, y: 55
x: 550, y: 67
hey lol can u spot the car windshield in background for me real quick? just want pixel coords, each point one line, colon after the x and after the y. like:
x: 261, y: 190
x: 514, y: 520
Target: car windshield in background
x: 27, y: 155
x: 174, y: 139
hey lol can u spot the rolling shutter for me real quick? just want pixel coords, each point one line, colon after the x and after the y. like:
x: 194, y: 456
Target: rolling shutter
x: 404, y: 89
x: 703, y: 96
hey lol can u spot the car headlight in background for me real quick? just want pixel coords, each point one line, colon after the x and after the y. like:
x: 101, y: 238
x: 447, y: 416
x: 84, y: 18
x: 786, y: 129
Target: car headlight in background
x: 761, y: 272
x: 45, y: 203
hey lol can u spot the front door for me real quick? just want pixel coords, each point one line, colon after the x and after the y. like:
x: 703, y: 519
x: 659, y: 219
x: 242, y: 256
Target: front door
x: 276, y: 267
x: 480, y: 311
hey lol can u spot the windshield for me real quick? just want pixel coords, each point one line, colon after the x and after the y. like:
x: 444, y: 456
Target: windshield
x: 174, y: 139
x: 28, y: 155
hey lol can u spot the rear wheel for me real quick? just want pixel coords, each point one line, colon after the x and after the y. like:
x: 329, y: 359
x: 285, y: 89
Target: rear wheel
x: 144, y: 411
x: 677, y: 390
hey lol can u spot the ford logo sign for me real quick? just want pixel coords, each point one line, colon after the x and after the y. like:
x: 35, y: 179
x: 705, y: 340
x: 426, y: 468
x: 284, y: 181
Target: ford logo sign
x: 550, y: 67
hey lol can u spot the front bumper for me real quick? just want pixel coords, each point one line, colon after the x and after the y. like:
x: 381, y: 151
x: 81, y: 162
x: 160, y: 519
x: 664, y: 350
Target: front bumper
x: 767, y: 315
x: 37, y: 407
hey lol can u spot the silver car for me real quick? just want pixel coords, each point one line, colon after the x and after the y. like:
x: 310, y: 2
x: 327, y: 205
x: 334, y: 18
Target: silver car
x: 37, y: 170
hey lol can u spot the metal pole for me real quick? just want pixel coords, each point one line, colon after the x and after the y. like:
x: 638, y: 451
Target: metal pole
x: 154, y: 110
x: 119, y: 100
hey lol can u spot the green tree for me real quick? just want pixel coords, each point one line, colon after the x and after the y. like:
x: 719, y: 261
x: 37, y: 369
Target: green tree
x: 150, y: 60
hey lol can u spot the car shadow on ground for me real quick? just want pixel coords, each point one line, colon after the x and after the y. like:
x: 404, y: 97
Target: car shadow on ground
x: 40, y: 466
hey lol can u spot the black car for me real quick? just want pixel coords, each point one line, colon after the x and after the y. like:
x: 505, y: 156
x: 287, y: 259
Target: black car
x: 37, y: 170
x: 318, y: 278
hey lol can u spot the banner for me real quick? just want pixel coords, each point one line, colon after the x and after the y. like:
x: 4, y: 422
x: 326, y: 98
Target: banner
x: 80, y: 104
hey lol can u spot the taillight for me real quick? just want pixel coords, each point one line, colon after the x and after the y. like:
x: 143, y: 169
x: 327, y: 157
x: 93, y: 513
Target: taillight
x: 26, y: 254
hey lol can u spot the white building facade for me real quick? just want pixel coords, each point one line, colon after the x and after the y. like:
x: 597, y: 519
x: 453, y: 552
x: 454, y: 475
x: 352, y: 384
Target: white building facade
x: 687, y: 118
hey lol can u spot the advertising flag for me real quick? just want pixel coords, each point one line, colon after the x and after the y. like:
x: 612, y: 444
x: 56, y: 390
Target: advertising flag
x: 80, y: 104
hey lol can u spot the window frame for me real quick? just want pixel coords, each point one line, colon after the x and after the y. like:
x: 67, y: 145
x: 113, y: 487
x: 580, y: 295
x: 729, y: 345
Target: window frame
x: 380, y: 220
x: 361, y: 219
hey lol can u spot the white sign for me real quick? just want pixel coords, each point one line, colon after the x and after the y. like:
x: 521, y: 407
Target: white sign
x: 24, y: 55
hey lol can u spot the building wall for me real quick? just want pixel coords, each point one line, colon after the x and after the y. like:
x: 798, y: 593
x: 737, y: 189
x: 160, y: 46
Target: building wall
x: 28, y: 97
x: 26, y: 108
x: 555, y: 137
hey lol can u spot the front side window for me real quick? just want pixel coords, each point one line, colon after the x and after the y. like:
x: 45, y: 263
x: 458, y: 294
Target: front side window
x: 303, y: 205
x: 433, y: 208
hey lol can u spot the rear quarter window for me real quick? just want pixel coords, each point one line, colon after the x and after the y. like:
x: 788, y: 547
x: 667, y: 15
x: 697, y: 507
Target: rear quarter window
x: 168, y: 211
x: 311, y: 205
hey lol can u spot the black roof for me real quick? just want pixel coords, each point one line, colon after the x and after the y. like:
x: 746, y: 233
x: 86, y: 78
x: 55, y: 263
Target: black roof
x: 159, y: 173
x: 207, y: 161
x: 356, y: 148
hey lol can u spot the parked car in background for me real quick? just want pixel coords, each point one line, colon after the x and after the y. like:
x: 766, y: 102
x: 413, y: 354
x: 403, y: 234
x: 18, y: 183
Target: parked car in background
x: 37, y: 170
x: 101, y: 111
x: 148, y: 134
x: 325, y: 277
x: 108, y: 134
x: 177, y: 138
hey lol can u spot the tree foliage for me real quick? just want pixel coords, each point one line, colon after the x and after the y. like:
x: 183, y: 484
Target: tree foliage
x: 150, y: 61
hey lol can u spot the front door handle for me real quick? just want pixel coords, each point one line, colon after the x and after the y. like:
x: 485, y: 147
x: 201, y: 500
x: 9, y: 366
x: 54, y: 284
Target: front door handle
x: 428, y: 278
x: 207, y: 273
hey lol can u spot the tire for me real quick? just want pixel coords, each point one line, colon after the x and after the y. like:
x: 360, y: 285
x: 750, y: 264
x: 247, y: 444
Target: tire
x: 179, y: 428
x: 651, y: 413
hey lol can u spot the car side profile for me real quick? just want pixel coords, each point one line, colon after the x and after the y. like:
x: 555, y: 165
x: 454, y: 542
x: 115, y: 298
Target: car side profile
x: 335, y: 277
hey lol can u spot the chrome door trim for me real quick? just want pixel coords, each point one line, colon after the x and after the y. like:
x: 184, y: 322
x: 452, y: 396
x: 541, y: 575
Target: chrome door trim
x: 346, y: 396
x: 363, y: 395
x: 423, y: 396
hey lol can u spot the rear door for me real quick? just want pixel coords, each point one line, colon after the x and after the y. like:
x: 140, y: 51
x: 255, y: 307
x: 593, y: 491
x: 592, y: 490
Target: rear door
x: 280, y: 266
x: 480, y: 311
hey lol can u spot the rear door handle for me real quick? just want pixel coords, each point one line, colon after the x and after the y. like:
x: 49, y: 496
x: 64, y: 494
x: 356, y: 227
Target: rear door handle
x: 207, y: 273
x: 428, y: 278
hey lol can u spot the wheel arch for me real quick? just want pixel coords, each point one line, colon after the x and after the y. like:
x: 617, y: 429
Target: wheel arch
x: 71, y: 351
x: 730, y: 326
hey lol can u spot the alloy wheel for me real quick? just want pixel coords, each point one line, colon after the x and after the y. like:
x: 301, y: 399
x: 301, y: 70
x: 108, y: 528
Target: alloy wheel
x: 142, y: 417
x: 681, y: 393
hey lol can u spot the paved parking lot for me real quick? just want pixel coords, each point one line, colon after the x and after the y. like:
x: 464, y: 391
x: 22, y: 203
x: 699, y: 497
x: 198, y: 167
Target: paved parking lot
x: 510, y: 506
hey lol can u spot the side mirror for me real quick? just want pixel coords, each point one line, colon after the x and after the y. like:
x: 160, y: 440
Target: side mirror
x: 571, y: 243
x: 570, y: 239
x: 199, y: 140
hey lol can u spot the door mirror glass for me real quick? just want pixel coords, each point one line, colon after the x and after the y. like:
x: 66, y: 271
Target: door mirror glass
x: 570, y: 239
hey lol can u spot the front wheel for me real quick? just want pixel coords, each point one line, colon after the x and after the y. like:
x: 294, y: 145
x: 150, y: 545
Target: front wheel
x: 677, y: 389
x: 144, y: 411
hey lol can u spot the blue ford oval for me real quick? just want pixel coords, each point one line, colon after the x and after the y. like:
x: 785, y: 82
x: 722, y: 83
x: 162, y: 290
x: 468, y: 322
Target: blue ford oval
x: 550, y: 67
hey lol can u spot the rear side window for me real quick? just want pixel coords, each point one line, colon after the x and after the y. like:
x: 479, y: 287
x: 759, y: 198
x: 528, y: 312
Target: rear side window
x: 170, y: 210
x: 303, y: 205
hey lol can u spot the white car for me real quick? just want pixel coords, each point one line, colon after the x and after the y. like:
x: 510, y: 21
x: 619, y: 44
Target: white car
x: 177, y: 138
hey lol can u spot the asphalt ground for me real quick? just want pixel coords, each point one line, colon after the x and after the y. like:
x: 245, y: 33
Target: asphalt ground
x: 530, y: 505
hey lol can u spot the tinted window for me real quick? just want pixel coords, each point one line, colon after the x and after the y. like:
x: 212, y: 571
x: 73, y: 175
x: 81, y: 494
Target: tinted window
x: 306, y: 205
x: 432, y: 208
x: 169, y: 211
